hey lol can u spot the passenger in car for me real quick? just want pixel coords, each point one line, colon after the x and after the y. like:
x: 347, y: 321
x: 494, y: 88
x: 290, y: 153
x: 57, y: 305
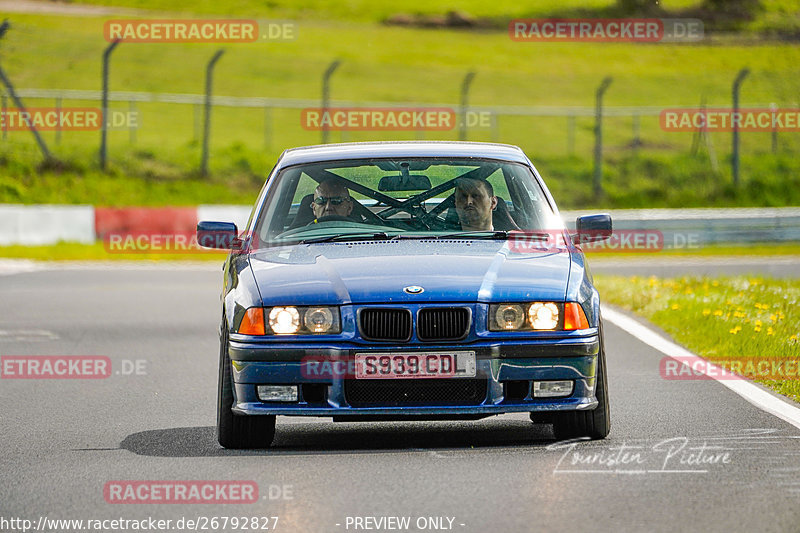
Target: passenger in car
x: 331, y: 198
x: 475, y: 201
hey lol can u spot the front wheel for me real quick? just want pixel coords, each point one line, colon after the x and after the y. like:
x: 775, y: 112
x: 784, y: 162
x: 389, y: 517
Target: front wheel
x: 594, y: 424
x: 238, y: 431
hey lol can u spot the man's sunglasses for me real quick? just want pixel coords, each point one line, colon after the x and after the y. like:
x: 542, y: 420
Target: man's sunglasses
x: 334, y: 200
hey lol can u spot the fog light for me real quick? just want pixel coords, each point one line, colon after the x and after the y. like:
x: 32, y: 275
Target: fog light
x: 552, y: 389
x: 277, y: 393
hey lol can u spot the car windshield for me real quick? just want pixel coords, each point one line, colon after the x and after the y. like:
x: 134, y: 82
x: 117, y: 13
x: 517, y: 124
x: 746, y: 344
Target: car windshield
x: 402, y: 198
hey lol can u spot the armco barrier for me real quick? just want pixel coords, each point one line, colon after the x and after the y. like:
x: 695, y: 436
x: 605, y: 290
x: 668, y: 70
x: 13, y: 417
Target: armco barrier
x: 48, y: 224
x: 684, y: 228
x: 237, y: 214
x: 150, y: 220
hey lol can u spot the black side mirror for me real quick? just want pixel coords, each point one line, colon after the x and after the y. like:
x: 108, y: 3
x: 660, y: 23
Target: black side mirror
x: 592, y: 228
x: 222, y: 235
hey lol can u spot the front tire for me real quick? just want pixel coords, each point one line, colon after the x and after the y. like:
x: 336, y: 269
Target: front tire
x: 238, y: 431
x: 594, y: 424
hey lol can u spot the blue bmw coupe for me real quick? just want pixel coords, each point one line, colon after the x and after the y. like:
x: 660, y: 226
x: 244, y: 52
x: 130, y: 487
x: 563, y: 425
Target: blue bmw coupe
x: 407, y: 281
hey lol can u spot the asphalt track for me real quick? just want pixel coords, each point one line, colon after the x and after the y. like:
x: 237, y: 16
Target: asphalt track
x: 63, y: 440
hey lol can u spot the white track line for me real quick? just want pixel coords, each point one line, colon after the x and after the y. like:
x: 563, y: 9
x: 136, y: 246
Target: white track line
x: 762, y: 399
x: 16, y: 266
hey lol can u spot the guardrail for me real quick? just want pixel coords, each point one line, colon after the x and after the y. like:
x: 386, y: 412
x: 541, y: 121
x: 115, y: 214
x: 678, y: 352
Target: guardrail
x: 683, y: 228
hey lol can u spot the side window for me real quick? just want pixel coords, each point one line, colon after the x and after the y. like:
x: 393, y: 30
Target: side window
x: 305, y: 186
x: 530, y: 208
x: 500, y: 187
x: 280, y: 209
x: 503, y: 195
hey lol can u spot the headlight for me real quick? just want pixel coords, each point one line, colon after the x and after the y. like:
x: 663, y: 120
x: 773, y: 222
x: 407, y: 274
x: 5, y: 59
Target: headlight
x: 535, y: 316
x: 509, y: 317
x: 291, y: 320
x: 284, y: 320
x: 543, y: 315
x: 318, y: 319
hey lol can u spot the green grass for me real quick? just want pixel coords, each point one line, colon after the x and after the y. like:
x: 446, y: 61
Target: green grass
x: 70, y: 251
x: 366, y: 10
x: 381, y: 63
x: 728, y: 318
x: 776, y: 14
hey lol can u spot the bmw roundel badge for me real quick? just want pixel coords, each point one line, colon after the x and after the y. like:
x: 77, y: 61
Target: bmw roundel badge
x: 413, y: 289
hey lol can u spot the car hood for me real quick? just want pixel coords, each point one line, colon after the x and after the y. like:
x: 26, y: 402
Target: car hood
x: 378, y: 271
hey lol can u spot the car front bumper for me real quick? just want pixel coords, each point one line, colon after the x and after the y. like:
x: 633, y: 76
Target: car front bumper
x: 499, y: 367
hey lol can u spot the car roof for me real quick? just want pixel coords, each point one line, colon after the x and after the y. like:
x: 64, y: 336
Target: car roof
x: 401, y: 149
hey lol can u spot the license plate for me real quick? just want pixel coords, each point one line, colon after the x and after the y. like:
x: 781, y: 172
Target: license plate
x: 415, y: 365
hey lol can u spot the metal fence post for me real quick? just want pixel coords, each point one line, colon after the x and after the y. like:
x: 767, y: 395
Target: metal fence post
x: 462, y: 133
x: 104, y: 118
x: 737, y: 83
x: 326, y: 96
x: 5, y: 113
x: 207, y: 112
x: 774, y: 108
x: 10, y: 88
x: 598, y: 136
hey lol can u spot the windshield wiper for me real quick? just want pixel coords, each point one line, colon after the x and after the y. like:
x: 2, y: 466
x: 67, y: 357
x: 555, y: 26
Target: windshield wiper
x: 372, y: 236
x: 487, y: 234
x: 499, y: 235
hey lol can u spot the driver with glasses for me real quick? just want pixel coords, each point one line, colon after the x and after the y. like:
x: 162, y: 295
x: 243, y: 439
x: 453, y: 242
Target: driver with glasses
x: 331, y: 198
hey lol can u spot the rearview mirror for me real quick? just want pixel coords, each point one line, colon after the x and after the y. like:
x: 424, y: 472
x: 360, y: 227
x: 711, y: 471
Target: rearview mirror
x: 413, y: 182
x: 592, y: 228
x: 222, y: 235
